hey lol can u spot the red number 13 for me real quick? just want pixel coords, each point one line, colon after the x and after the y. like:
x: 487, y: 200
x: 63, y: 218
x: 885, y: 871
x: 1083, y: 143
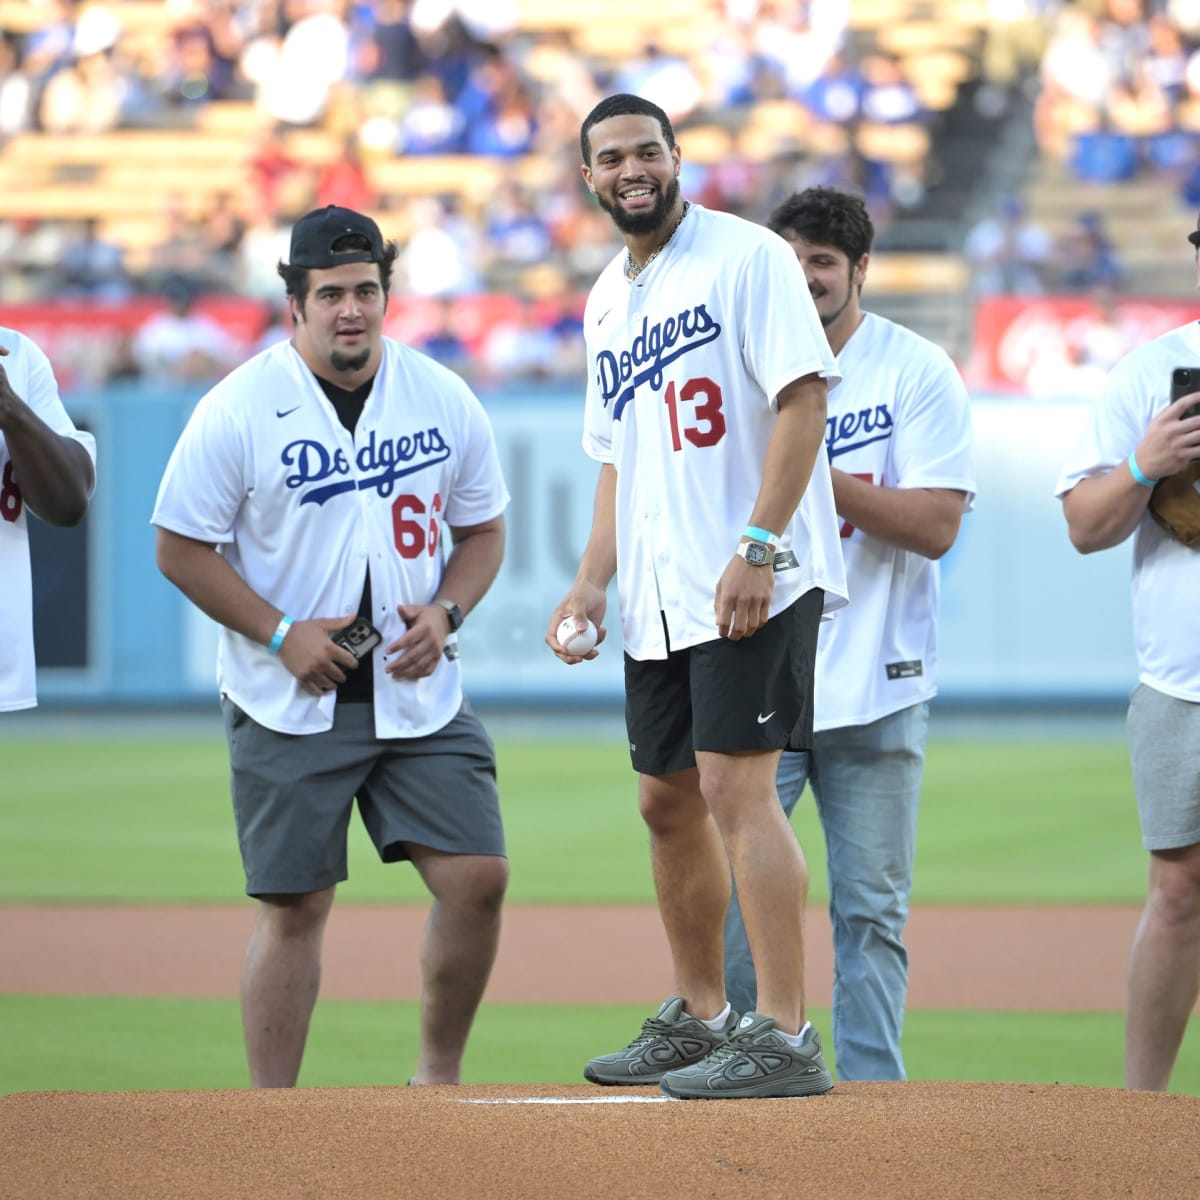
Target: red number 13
x: 709, y: 426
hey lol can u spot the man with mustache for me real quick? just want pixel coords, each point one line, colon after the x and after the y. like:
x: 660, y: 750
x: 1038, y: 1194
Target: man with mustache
x: 899, y: 444
x: 705, y: 409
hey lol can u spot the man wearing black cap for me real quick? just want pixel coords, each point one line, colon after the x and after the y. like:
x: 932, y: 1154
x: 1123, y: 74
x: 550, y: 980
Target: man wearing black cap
x: 1145, y: 430
x: 311, y: 487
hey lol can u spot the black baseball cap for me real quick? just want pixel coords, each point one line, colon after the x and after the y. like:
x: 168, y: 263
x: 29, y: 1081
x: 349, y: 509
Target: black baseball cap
x: 1194, y: 236
x: 314, y: 235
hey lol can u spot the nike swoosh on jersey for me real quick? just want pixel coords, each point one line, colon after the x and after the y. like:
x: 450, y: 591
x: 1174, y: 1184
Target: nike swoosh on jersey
x: 763, y: 720
x: 603, y: 315
x: 286, y: 412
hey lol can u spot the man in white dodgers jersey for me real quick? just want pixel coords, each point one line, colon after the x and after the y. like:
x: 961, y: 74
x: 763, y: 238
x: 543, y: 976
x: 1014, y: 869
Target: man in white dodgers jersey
x: 316, y: 482
x: 47, y: 467
x: 898, y: 435
x: 706, y: 409
x: 1135, y: 436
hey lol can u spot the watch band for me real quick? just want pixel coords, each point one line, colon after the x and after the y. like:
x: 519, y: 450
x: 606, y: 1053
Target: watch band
x: 453, y: 612
x: 757, y: 554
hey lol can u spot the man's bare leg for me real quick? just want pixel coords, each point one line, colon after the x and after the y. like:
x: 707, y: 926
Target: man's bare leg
x: 770, y: 872
x: 691, y: 879
x: 1164, y: 969
x: 281, y: 975
x: 458, y: 949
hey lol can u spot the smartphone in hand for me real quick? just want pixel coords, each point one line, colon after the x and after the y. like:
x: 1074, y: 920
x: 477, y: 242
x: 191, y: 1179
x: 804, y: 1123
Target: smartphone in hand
x: 360, y: 637
x: 1185, y: 380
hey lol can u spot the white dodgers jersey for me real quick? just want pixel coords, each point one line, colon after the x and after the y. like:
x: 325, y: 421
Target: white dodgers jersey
x: 685, y: 366
x: 302, y: 509
x: 32, y: 379
x: 899, y: 419
x: 1166, y: 573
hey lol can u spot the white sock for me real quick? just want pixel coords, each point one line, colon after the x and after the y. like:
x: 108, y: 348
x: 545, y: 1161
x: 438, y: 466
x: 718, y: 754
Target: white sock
x: 718, y: 1022
x: 794, y: 1039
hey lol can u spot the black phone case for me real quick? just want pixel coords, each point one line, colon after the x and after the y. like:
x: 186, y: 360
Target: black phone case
x: 1183, y: 381
x: 360, y: 638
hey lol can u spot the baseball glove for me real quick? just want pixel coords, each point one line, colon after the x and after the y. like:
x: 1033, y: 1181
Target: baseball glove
x: 1175, y: 504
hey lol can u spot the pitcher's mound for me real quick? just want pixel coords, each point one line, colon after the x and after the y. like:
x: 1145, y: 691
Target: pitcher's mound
x: 866, y: 1141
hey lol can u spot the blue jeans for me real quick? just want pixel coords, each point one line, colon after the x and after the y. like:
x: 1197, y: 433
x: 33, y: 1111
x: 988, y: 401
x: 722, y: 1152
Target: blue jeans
x: 866, y: 780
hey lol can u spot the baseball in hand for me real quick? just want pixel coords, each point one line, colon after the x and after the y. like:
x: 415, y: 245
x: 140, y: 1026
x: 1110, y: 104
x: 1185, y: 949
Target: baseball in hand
x: 576, y: 641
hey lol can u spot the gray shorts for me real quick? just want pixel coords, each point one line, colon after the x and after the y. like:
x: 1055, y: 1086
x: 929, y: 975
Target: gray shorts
x: 1164, y: 737
x: 293, y: 795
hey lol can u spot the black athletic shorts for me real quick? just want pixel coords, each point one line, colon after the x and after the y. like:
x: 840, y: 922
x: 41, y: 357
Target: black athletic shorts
x: 726, y: 696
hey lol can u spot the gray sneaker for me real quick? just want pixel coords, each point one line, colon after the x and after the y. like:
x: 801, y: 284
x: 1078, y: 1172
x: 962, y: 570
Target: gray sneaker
x: 756, y: 1060
x: 668, y: 1040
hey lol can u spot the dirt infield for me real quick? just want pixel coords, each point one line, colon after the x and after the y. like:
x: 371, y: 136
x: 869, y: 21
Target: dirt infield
x: 866, y: 1141
x: 1059, y: 959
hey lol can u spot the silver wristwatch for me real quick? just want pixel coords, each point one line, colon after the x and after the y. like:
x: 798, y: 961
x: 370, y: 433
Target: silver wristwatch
x: 757, y: 554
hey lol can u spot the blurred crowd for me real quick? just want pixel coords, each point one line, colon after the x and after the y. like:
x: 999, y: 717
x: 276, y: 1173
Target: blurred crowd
x: 1119, y: 92
x: 1013, y: 254
x: 775, y: 95
x: 408, y: 78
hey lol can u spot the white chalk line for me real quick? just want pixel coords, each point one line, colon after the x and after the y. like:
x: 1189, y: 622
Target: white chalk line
x: 570, y: 1100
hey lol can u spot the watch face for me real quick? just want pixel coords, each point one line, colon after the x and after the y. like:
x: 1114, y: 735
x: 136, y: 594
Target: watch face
x: 755, y: 553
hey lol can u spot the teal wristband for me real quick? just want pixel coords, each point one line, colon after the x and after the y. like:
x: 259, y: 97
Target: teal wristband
x: 760, y: 535
x: 285, y: 623
x: 1136, y: 472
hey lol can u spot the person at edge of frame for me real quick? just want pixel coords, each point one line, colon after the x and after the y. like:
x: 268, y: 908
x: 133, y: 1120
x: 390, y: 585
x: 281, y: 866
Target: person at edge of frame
x: 1135, y: 435
x: 48, y: 468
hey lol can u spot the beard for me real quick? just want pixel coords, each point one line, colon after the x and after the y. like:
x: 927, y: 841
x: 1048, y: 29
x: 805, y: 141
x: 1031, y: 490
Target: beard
x: 350, y: 362
x: 828, y: 319
x: 647, y: 221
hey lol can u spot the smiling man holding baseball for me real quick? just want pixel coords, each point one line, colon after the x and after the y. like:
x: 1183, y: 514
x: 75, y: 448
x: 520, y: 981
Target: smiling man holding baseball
x: 705, y: 409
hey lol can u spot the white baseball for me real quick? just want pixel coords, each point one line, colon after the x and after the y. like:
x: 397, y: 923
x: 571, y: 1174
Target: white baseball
x: 576, y: 641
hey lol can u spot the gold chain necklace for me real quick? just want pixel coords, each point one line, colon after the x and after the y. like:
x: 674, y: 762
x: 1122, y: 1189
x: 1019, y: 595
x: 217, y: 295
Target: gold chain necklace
x: 632, y: 270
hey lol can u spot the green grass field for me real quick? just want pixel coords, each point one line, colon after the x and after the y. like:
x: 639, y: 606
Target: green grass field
x: 148, y: 820
x: 109, y: 1044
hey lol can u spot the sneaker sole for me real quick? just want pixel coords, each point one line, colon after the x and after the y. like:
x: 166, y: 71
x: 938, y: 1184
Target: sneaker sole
x: 816, y: 1085
x: 626, y: 1081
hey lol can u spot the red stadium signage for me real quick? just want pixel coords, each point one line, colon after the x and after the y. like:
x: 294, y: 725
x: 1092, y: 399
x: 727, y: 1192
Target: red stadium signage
x: 1062, y: 344
x: 84, y: 340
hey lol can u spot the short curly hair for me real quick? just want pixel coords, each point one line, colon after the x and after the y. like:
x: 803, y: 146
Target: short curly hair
x: 623, y: 105
x: 826, y: 217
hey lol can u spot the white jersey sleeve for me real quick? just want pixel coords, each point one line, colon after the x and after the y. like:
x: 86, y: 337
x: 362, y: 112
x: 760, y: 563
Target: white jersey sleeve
x: 1118, y: 418
x: 781, y: 334
x: 32, y: 378
x: 208, y: 474
x: 900, y: 419
x: 606, y: 302
x: 479, y: 494
x: 1166, y: 573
